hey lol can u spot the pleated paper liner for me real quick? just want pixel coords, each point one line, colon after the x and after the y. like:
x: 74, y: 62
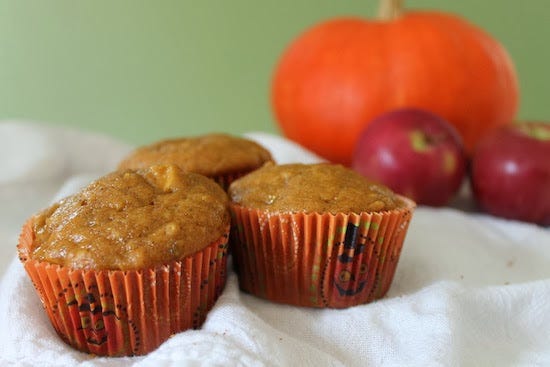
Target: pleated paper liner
x: 124, y: 313
x: 318, y: 260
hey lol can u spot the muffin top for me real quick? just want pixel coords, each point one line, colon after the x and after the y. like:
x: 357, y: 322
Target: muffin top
x: 129, y: 220
x: 311, y: 188
x: 210, y: 155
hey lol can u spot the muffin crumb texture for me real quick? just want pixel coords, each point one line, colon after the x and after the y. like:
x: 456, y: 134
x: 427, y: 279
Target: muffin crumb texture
x: 311, y: 188
x: 129, y: 220
x: 210, y: 154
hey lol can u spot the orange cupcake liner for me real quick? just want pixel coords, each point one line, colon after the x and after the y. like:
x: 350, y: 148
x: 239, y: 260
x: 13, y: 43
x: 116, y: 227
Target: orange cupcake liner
x: 125, y: 313
x: 318, y: 260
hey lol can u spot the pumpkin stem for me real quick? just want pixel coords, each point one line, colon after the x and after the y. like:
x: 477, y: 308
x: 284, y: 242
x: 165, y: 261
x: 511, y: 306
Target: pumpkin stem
x: 389, y: 9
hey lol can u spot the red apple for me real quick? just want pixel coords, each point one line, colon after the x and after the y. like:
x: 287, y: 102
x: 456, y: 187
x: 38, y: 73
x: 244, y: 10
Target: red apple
x: 415, y: 153
x: 511, y: 172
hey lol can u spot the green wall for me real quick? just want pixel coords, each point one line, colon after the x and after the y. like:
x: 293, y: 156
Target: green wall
x: 142, y: 70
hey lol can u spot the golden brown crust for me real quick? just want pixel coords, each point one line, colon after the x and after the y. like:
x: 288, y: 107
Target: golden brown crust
x: 210, y: 155
x: 311, y: 188
x: 132, y: 220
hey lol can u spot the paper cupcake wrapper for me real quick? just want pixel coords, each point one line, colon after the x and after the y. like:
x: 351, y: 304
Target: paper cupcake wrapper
x: 124, y: 313
x: 226, y: 179
x: 318, y: 260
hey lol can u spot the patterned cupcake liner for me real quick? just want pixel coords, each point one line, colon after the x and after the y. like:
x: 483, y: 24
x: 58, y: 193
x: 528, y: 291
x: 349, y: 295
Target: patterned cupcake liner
x: 124, y: 313
x: 318, y: 260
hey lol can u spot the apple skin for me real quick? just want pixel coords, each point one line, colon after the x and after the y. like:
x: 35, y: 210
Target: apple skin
x: 510, y: 173
x: 413, y: 152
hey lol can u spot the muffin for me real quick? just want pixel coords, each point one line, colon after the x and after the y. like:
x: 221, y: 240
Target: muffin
x: 318, y: 235
x: 221, y: 157
x: 131, y: 259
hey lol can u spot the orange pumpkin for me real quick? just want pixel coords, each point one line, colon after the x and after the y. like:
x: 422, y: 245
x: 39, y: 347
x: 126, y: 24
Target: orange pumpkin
x: 342, y: 73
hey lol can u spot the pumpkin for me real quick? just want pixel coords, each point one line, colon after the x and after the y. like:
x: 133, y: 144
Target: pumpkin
x: 342, y: 73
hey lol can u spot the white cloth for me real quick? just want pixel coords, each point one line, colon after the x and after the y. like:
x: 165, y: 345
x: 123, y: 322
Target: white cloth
x: 470, y: 289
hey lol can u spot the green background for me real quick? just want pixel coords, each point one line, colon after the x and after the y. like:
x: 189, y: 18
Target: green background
x: 142, y: 70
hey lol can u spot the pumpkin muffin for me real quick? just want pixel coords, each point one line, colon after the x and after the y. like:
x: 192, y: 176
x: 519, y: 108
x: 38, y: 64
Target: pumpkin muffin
x: 318, y: 235
x: 221, y: 157
x: 131, y: 259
